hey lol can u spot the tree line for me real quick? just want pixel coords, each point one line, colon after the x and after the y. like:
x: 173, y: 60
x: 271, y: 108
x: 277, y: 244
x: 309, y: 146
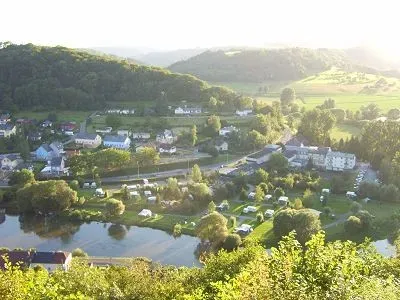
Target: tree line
x: 41, y: 77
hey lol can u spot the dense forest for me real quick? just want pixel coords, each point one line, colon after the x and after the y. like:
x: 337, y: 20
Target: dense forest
x: 271, y: 64
x: 338, y: 270
x: 260, y: 65
x: 57, y: 77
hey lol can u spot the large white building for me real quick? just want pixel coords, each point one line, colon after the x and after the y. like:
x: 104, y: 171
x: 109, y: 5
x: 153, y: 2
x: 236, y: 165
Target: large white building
x: 340, y: 161
x: 6, y: 130
x: 321, y: 157
x: 88, y: 140
x: 187, y: 110
x: 117, y: 142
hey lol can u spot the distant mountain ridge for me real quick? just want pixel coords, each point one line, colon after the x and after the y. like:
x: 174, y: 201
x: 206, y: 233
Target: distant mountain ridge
x: 259, y: 65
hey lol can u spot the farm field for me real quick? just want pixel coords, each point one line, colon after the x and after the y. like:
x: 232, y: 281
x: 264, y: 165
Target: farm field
x: 62, y: 115
x: 344, y: 87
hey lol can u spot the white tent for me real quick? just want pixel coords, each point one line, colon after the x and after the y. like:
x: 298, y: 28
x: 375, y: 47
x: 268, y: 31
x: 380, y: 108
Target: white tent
x: 145, y: 213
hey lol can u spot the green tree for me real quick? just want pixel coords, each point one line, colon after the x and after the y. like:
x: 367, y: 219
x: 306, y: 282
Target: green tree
x: 259, y: 196
x: 113, y: 121
x: 74, y: 184
x: 212, y: 228
x: 260, y: 217
x: 304, y: 222
x: 298, y: 204
x: 147, y: 156
x: 196, y: 174
x: 308, y: 199
x: 46, y: 197
x: 316, y: 125
x: 213, y: 125
x: 261, y: 176
x: 23, y: 149
x: 211, y: 207
x: 20, y: 178
x: 114, y: 207
x: 172, y: 191
x: 201, y: 192
x: 193, y: 135
x: 78, y: 252
x: 288, y: 95
x: 389, y: 193
x: 126, y: 196
x: 232, y: 242
x: 278, y: 162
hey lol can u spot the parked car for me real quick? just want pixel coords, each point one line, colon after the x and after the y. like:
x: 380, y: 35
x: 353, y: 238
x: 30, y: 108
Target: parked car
x: 249, y: 209
x: 269, y: 213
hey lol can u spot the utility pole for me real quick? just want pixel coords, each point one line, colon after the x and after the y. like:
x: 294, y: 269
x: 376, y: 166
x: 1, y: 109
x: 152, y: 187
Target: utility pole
x: 137, y: 169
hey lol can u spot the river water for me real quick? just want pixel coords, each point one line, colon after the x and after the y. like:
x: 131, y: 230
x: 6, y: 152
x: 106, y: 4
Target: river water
x: 110, y: 240
x: 99, y: 239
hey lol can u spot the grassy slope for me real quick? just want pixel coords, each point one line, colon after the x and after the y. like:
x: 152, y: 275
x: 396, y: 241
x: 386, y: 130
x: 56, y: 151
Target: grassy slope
x: 343, y: 87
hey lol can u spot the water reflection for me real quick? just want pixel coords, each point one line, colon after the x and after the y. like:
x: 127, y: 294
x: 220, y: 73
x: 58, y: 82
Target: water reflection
x: 117, y: 232
x: 98, y: 239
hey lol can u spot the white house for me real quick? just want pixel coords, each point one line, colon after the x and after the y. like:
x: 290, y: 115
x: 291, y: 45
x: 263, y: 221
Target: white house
x: 5, y: 118
x: 124, y: 132
x: 140, y: 135
x: 187, y: 110
x: 10, y: 162
x: 166, y: 137
x: 243, y: 113
x: 340, y: 161
x: 117, y: 142
x: 88, y: 140
x: 123, y: 111
x: 221, y: 145
x: 225, y: 131
x: 167, y: 148
x: 6, y: 130
x: 104, y: 130
x: 52, y: 261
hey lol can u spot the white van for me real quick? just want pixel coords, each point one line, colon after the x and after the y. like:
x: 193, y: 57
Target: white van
x: 249, y: 209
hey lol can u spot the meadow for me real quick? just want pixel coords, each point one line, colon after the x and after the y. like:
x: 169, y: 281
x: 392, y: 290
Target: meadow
x: 346, y: 88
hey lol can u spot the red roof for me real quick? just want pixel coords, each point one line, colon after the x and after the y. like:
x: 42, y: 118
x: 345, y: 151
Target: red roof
x: 21, y: 258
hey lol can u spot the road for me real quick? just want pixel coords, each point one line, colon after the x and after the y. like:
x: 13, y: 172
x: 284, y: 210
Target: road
x: 170, y: 173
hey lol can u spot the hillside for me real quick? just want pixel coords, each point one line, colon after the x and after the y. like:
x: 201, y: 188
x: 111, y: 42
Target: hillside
x: 260, y: 65
x: 57, y: 77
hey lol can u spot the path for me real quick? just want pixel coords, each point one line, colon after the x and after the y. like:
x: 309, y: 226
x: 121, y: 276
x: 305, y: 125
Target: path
x: 341, y: 219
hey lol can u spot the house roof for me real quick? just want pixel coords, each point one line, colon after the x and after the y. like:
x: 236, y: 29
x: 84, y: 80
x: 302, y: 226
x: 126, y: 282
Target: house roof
x: 289, y: 153
x: 6, y: 126
x: 57, y: 144
x: 56, y: 161
x: 219, y: 142
x: 297, y: 141
x: 46, y: 147
x: 57, y: 257
x: 340, y: 154
x: 262, y: 153
x: 166, y: 146
x: 22, y: 258
x: 86, y: 136
x: 115, y: 139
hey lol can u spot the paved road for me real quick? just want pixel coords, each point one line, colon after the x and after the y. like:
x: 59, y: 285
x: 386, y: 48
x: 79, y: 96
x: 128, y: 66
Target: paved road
x: 341, y: 219
x: 83, y: 125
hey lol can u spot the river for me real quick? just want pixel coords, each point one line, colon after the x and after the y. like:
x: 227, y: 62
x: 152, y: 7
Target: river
x: 110, y: 240
x: 99, y: 239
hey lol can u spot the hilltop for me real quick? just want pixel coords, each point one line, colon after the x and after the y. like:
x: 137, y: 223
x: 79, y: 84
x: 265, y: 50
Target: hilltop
x: 285, y: 64
x: 58, y: 77
x: 260, y: 65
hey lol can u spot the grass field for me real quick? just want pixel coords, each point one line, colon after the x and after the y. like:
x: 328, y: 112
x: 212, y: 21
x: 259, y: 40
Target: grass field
x: 62, y: 115
x: 344, y: 87
x: 344, y: 131
x: 145, y: 123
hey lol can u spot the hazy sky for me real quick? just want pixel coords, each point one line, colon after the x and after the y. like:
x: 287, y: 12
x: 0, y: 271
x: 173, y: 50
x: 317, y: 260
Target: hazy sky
x: 171, y: 24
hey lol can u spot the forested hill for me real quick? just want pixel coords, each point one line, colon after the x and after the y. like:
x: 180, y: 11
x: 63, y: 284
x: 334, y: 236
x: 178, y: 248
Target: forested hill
x: 57, y: 77
x: 260, y: 65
